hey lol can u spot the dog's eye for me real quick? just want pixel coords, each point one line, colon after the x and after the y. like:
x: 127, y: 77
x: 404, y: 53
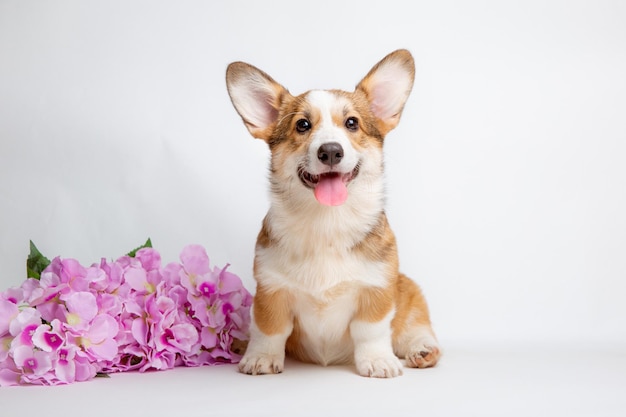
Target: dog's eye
x: 303, y: 125
x: 352, y: 124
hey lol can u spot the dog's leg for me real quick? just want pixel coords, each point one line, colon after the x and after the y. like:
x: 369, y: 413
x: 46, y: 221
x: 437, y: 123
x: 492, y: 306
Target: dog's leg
x: 371, y: 334
x: 419, y: 347
x: 373, y: 354
x: 270, y: 327
x: 413, y: 337
x: 265, y: 353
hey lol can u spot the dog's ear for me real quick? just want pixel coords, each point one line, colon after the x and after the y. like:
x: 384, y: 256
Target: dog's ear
x: 256, y: 97
x: 387, y: 87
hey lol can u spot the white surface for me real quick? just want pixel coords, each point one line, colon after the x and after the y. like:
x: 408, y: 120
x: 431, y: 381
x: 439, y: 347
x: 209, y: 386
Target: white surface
x: 507, y: 181
x: 535, y: 382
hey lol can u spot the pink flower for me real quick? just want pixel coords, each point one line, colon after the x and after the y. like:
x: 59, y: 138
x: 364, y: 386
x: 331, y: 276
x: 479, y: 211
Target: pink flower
x: 81, y: 309
x: 24, y: 324
x: 180, y: 338
x: 98, y: 340
x: 32, y: 361
x: 49, y: 338
x: 115, y: 316
x: 65, y: 366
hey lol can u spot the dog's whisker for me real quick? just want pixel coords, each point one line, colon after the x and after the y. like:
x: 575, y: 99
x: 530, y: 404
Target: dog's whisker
x: 288, y: 115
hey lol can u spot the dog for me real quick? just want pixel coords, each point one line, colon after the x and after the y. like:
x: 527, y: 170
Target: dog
x: 328, y: 288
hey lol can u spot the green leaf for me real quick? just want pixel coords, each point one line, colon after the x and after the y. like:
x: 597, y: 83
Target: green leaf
x: 133, y: 252
x: 36, y: 262
x: 102, y: 375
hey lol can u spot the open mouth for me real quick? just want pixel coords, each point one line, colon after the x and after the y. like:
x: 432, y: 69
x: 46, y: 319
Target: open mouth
x: 330, y: 188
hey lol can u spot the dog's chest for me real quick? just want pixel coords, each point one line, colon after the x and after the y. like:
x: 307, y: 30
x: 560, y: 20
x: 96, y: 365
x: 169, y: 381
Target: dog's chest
x: 317, y: 261
x: 324, y: 284
x: 318, y: 272
x: 315, y: 249
x: 323, y: 324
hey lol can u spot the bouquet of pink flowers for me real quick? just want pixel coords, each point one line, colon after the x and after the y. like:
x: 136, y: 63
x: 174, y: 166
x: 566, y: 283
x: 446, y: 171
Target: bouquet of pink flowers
x: 71, y: 323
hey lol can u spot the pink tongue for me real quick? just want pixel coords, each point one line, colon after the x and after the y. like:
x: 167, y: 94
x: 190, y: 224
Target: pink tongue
x: 331, y: 191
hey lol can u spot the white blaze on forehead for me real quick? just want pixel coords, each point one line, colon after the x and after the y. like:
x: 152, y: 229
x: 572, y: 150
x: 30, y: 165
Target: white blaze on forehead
x: 327, y: 104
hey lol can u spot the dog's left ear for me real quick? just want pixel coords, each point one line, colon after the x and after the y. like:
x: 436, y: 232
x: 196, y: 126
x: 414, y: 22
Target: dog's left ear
x: 387, y: 87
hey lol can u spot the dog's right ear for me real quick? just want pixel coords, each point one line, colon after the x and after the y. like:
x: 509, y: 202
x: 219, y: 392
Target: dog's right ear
x: 256, y: 97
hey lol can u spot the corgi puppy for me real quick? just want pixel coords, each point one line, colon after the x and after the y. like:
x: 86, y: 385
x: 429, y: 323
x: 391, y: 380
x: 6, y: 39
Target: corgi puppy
x: 326, y: 263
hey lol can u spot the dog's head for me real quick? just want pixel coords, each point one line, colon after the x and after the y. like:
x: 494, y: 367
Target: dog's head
x: 324, y: 143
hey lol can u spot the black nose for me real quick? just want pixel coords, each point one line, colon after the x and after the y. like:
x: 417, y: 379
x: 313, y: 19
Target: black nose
x: 330, y: 153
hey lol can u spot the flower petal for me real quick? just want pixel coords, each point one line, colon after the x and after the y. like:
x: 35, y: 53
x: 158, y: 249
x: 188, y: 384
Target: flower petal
x: 9, y: 377
x: 102, y: 327
x: 137, y: 278
x: 82, y: 304
x: 26, y: 317
x: 106, y: 350
x: 195, y: 260
x: 150, y: 259
x: 8, y: 311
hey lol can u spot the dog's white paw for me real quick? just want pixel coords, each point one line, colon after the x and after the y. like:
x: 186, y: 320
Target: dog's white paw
x: 379, y: 367
x: 262, y: 364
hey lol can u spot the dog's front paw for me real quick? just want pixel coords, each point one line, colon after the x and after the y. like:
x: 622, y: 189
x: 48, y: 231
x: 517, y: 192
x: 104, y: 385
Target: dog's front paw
x: 379, y: 367
x: 423, y: 356
x: 262, y: 364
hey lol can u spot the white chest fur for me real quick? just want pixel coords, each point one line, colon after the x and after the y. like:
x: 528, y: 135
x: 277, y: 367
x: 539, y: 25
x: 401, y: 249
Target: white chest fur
x: 323, y: 275
x: 324, y: 326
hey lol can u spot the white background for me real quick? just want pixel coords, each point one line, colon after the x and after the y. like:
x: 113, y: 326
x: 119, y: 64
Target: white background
x: 506, y: 176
